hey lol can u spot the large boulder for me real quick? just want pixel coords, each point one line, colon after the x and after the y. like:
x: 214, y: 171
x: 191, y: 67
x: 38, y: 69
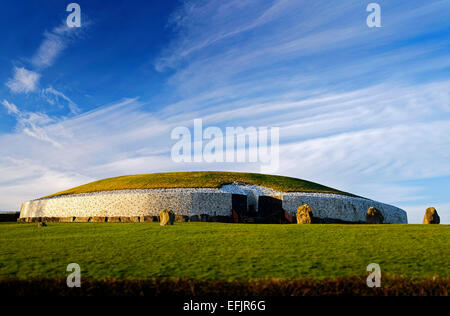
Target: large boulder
x: 374, y: 216
x: 167, y: 217
x: 431, y: 216
x: 304, y: 214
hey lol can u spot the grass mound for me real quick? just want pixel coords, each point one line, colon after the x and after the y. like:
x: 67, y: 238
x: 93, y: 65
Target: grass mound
x: 199, y: 179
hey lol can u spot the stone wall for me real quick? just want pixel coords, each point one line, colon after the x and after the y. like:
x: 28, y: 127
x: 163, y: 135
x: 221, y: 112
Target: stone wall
x: 130, y: 203
x: 213, y: 202
x: 342, y: 208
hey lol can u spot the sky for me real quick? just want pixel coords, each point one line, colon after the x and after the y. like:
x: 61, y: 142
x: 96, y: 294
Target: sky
x: 365, y: 110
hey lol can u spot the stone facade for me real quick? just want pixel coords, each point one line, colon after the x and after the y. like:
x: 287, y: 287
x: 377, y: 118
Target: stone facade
x: 342, y: 208
x: 212, y: 202
x: 130, y: 203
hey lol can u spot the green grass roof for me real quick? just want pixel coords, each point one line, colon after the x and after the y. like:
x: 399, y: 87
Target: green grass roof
x: 199, y: 179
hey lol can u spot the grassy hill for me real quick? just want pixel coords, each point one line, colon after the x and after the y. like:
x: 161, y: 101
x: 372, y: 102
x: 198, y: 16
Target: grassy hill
x: 199, y: 179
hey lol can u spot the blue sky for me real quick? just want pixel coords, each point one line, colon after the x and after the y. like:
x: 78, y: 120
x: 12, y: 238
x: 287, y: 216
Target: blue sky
x: 365, y: 110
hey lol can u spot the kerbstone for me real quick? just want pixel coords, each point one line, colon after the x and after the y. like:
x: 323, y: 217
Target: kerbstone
x: 431, y: 216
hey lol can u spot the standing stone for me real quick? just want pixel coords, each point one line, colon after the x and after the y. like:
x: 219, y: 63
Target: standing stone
x: 431, y: 216
x: 167, y: 217
x: 304, y: 214
x: 374, y: 216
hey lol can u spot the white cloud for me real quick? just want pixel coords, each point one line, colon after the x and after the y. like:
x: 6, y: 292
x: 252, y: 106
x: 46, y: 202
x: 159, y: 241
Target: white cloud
x: 291, y: 45
x: 24, y: 179
x: 34, y: 125
x: 53, y: 96
x: 24, y: 81
x: 31, y: 123
x: 371, y: 156
x: 11, y: 107
x: 52, y: 46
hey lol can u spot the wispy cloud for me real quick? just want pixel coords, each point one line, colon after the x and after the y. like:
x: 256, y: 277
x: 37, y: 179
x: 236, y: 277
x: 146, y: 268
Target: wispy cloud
x: 53, y: 96
x: 25, y: 179
x: 296, y: 42
x: 55, y: 41
x: 23, y: 81
x: 26, y: 81
x: 31, y: 123
x: 10, y: 107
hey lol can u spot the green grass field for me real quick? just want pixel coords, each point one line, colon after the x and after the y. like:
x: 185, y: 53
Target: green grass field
x: 199, y: 179
x: 208, y: 251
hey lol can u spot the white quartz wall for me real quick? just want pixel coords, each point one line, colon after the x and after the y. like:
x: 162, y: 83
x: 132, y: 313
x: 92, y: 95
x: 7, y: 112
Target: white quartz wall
x: 189, y: 202
x: 130, y: 203
x: 345, y: 208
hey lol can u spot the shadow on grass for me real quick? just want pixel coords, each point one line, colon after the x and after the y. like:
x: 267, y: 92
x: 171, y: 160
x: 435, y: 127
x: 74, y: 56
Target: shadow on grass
x: 354, y: 286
